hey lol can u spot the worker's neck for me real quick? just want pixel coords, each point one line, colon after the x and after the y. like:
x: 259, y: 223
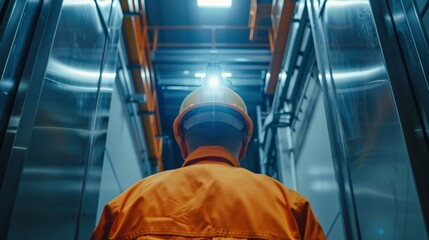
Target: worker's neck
x: 234, y: 151
x: 216, y: 148
x: 208, y: 152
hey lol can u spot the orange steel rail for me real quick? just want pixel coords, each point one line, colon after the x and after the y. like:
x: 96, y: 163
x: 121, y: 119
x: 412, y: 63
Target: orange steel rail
x: 135, y: 33
x: 281, y: 25
x: 252, y: 19
x: 213, y: 43
x: 270, y: 37
x: 258, y: 12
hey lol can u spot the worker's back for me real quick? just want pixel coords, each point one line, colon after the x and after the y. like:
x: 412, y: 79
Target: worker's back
x: 208, y: 198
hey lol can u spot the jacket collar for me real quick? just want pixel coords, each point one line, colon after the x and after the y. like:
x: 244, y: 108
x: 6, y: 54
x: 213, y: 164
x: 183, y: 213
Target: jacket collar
x: 211, y: 153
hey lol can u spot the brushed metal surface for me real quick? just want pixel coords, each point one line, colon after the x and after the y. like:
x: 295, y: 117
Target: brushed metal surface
x: 14, y: 150
x: 16, y: 32
x: 92, y: 181
x: 403, y: 35
x: 58, y: 189
x: 372, y: 152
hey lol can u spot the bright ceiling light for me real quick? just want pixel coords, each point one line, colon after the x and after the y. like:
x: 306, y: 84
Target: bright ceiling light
x: 214, y: 82
x: 200, y: 75
x: 226, y: 74
x: 214, y: 3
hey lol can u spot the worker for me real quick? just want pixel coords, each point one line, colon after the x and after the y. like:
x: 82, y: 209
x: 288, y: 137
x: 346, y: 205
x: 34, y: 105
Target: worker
x: 211, y: 196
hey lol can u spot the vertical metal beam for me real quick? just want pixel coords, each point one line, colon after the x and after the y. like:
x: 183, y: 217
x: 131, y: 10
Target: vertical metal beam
x: 262, y: 156
x: 292, y: 159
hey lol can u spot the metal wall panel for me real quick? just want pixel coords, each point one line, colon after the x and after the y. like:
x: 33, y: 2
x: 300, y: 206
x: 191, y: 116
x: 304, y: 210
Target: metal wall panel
x: 403, y: 35
x: 16, y: 32
x: 18, y: 135
x: 377, y: 187
x: 122, y: 157
x: 109, y: 187
x: 105, y: 7
x: 53, y: 174
x: 316, y: 174
x: 91, y: 187
x: 120, y: 145
x: 62, y: 153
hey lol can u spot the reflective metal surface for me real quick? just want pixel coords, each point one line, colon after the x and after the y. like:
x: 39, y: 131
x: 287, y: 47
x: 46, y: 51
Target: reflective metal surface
x: 53, y: 174
x: 92, y: 181
x: 58, y: 189
x: 403, y: 34
x: 379, y: 191
x: 14, y: 149
x: 15, y: 40
x: 11, y: 60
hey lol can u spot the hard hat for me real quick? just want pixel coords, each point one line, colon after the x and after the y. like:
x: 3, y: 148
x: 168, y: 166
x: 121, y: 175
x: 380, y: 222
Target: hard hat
x: 222, y: 97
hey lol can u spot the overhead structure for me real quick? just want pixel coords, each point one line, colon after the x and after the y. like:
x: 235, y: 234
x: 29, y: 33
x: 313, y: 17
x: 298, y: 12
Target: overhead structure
x: 207, y: 30
x: 135, y: 33
x: 260, y: 14
x: 282, y: 13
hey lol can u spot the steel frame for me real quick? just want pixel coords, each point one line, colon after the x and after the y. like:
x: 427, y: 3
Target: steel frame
x: 136, y: 38
x: 282, y: 113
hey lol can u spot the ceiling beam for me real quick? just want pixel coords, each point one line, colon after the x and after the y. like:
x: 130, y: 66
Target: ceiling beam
x: 255, y: 82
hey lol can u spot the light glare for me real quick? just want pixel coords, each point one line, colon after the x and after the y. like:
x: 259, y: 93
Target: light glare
x: 214, y: 82
x: 214, y: 3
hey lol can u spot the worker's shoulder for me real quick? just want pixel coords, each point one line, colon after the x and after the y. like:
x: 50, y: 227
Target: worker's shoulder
x: 270, y: 182
x: 227, y: 178
x: 277, y: 185
x: 142, y: 186
x: 159, y: 177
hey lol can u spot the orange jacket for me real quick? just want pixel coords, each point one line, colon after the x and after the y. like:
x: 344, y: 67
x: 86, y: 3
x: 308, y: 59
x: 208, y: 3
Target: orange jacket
x: 210, y: 197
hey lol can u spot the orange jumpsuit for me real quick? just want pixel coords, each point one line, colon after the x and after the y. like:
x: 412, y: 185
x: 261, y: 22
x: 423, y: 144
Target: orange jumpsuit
x: 210, y: 197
